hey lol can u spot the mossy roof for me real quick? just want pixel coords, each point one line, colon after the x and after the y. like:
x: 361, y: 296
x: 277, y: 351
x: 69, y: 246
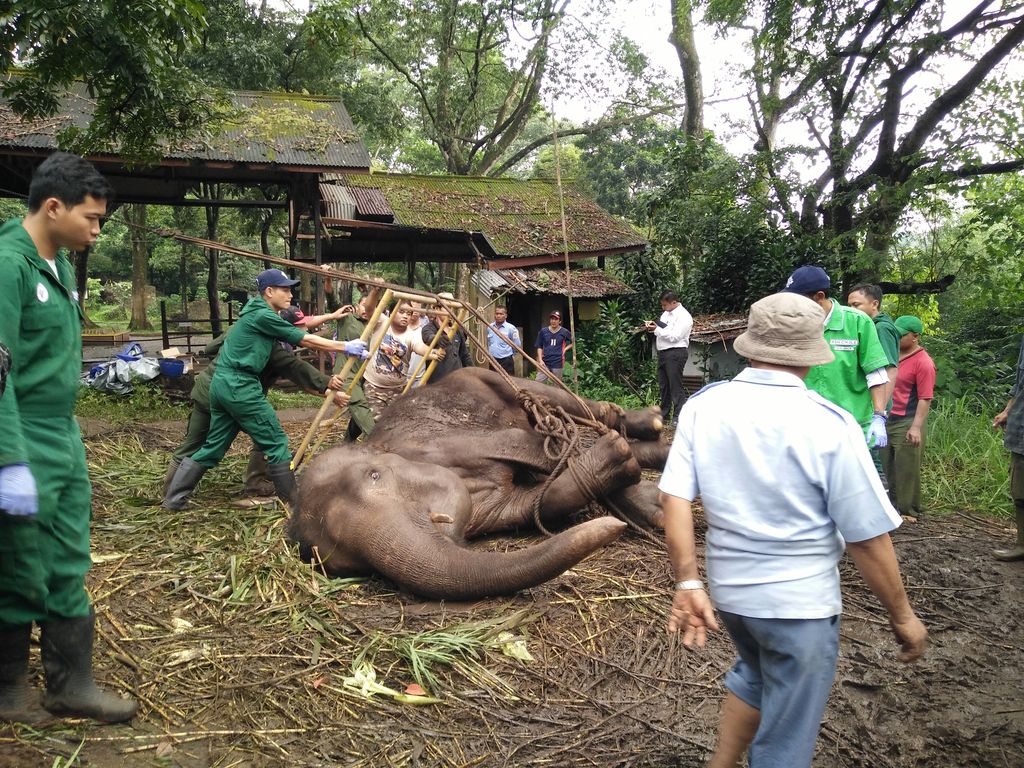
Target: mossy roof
x: 254, y: 127
x: 519, y: 217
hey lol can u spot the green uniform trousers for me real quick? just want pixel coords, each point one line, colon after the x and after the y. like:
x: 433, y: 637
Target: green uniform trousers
x: 43, y: 560
x: 195, y: 434
x: 237, y: 404
x: 360, y: 417
x: 901, y: 462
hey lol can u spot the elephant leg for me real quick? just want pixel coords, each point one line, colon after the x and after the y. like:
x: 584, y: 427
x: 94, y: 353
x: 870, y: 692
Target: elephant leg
x: 652, y: 454
x: 607, y: 466
x: 639, y: 503
x: 643, y: 424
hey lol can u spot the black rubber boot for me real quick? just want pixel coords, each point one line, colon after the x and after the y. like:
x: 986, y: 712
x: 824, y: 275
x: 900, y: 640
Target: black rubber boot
x: 257, y: 479
x: 70, y: 688
x: 182, y: 484
x: 284, y: 481
x: 1014, y: 553
x: 16, y: 705
x: 172, y: 470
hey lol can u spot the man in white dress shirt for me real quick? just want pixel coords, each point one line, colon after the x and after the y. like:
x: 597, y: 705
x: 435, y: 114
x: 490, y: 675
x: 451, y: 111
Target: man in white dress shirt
x: 672, y: 339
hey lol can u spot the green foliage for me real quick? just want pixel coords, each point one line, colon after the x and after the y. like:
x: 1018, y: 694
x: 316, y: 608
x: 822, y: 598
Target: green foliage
x: 127, y: 54
x: 614, y: 364
x: 148, y: 402
x: 709, y: 217
x: 965, y: 463
x: 622, y: 168
x: 975, y: 351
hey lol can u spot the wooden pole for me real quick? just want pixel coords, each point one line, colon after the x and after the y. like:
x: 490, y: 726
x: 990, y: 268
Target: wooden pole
x: 329, y: 397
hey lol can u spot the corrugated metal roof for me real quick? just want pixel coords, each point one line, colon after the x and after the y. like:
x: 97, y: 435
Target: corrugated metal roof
x: 708, y: 329
x: 585, y: 283
x: 338, y: 202
x: 520, y: 217
x: 272, y: 128
x: 371, y: 203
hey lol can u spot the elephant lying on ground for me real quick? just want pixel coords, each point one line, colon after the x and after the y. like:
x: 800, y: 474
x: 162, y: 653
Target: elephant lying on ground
x: 449, y: 462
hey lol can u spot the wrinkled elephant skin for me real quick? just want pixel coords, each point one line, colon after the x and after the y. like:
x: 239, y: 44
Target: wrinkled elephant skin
x: 459, y: 459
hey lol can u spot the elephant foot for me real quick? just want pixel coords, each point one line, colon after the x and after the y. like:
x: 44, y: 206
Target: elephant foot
x: 606, y: 466
x: 652, y: 454
x: 640, y: 504
x: 643, y: 424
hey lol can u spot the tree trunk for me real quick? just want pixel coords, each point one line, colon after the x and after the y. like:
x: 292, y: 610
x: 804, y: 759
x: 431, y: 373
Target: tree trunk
x: 81, y: 283
x: 212, y: 192
x: 686, y: 48
x: 135, y: 215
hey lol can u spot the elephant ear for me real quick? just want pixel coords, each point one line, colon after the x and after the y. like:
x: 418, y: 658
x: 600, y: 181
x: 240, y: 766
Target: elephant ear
x: 416, y: 556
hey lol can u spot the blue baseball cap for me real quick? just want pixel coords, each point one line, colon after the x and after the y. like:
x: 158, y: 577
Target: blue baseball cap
x: 273, y: 278
x: 807, y: 280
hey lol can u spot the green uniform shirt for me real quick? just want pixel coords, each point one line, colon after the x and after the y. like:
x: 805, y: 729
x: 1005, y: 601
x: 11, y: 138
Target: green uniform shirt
x: 40, y: 322
x: 889, y: 337
x: 248, y: 344
x: 854, y: 341
x: 282, y: 364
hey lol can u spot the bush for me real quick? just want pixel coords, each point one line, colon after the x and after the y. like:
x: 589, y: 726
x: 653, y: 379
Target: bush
x: 965, y: 463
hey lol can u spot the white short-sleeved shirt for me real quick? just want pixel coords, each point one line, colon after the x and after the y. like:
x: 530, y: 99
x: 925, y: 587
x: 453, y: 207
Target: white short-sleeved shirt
x: 784, y: 476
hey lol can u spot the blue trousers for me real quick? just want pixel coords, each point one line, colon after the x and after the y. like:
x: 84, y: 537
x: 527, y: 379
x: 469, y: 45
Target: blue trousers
x: 785, y: 669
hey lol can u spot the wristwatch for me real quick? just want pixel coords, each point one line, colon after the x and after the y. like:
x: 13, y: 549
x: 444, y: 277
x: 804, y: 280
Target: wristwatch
x: 689, y: 584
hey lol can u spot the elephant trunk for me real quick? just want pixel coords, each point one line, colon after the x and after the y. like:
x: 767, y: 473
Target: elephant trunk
x: 418, y: 557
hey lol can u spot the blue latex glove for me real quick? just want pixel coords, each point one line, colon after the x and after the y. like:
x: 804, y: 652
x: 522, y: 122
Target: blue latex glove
x: 357, y: 347
x: 877, y: 437
x: 18, y: 491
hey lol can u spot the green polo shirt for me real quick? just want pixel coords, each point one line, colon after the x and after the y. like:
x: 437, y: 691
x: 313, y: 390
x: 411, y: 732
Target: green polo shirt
x: 854, y: 342
x: 247, y: 345
x: 889, y: 336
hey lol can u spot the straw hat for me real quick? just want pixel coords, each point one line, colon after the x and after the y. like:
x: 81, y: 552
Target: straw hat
x: 785, y: 329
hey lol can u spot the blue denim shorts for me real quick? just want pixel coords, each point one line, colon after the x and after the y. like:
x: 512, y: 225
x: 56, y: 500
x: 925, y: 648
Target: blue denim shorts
x: 785, y: 669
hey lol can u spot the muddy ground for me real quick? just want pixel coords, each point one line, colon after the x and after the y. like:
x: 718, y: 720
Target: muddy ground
x: 239, y: 656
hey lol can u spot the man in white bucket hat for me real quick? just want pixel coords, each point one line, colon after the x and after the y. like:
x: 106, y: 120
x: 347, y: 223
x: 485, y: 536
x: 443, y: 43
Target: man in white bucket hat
x: 785, y: 478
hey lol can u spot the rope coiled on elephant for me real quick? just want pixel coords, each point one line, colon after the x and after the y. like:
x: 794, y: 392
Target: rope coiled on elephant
x: 561, y: 443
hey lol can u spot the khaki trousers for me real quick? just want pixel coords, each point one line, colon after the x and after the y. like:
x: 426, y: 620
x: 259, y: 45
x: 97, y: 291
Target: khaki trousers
x: 901, y: 463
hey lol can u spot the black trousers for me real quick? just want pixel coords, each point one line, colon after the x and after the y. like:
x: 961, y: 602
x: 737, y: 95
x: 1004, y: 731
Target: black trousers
x: 670, y: 380
x: 508, y: 363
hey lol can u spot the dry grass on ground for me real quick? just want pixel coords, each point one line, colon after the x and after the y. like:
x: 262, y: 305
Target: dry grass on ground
x: 241, y: 656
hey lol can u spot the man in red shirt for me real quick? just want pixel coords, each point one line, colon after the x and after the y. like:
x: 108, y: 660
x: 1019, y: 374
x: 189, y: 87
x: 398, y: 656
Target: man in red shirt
x: 911, y: 401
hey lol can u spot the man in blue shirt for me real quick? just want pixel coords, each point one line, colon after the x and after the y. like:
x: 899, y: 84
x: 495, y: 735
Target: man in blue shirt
x: 499, y: 350
x: 552, y: 343
x: 786, y: 482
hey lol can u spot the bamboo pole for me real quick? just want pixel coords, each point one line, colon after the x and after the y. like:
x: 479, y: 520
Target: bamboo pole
x: 346, y: 368
x: 348, y: 390
x: 430, y: 348
x: 450, y: 334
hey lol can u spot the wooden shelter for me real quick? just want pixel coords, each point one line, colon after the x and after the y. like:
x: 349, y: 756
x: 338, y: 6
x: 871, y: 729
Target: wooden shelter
x: 509, y: 229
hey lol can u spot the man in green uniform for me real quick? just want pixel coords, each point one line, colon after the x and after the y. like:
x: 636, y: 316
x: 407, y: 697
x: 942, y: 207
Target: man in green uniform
x: 236, y: 394
x: 856, y: 380
x: 360, y: 417
x: 45, y: 496
x: 282, y: 364
x: 867, y: 297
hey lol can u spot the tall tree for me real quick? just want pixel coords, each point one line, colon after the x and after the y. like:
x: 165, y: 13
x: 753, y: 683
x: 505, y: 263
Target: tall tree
x: 478, y: 73
x: 127, y: 55
x: 686, y: 48
x: 865, y: 82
